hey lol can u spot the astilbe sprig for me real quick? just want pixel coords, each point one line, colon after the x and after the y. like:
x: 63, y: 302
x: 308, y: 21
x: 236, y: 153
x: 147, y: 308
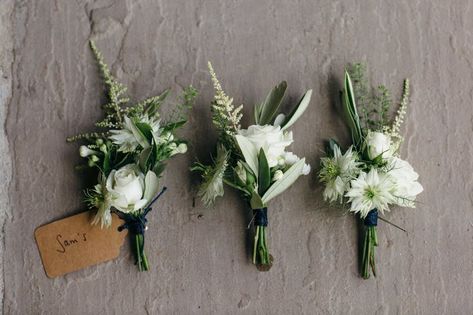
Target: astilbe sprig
x: 225, y: 116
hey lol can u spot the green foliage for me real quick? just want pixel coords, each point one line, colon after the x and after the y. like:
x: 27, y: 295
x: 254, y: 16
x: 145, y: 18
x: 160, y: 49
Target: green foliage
x: 374, y: 104
x: 264, y: 173
x: 350, y: 111
x: 266, y: 112
x: 139, y: 119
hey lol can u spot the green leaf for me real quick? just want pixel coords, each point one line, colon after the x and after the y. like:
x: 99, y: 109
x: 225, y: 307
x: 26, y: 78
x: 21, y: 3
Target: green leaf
x: 106, y: 162
x: 140, y: 137
x: 270, y: 106
x: 256, y: 202
x: 289, y: 177
x: 146, y: 130
x: 257, y: 113
x: 264, y: 175
x: 173, y: 126
x: 144, y: 158
x: 249, y: 153
x: 351, y: 114
x: 152, y: 106
x: 330, y: 147
x: 297, y: 111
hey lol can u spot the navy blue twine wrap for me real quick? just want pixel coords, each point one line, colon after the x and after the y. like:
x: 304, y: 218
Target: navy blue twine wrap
x: 136, y: 224
x: 261, y: 216
x: 371, y: 218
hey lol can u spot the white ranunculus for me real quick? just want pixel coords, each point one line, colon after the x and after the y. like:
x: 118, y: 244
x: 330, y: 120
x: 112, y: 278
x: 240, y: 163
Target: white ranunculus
x: 378, y: 144
x: 405, y: 181
x: 271, y: 138
x: 130, y: 190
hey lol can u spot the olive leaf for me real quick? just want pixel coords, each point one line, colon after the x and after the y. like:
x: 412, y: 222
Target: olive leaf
x: 297, y: 111
x: 266, y: 112
x: 249, y: 152
x: 289, y: 177
x: 264, y: 176
x: 256, y: 202
x: 349, y: 109
x: 139, y: 135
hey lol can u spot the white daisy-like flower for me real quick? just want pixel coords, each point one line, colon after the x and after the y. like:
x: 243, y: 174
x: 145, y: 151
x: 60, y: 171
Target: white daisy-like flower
x: 370, y: 191
x: 405, y: 181
x: 126, y: 139
x: 336, y: 173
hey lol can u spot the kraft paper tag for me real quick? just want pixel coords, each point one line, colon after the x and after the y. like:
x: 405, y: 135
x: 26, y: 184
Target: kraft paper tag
x: 73, y: 243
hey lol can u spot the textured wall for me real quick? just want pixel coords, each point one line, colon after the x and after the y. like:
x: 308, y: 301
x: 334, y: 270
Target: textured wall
x: 50, y: 88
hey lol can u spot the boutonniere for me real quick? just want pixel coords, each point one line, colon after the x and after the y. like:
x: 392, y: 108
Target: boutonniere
x: 129, y: 154
x: 369, y: 176
x: 255, y: 161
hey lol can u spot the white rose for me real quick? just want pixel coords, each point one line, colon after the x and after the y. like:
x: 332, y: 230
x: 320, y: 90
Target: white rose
x: 377, y: 143
x: 405, y: 181
x: 130, y: 190
x: 272, y: 139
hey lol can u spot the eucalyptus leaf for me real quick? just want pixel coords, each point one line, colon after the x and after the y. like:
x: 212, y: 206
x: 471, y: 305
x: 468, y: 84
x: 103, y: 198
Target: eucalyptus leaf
x: 264, y: 175
x: 249, y: 152
x: 289, y: 177
x: 297, y: 111
x: 270, y: 106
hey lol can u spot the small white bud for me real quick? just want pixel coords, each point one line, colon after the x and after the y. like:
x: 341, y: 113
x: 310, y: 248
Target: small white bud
x: 278, y: 175
x: 84, y: 151
x: 182, y: 148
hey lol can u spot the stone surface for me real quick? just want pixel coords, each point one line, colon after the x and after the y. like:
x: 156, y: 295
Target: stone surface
x: 50, y: 88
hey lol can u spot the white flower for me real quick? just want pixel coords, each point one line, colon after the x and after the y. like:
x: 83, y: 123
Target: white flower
x: 84, y: 151
x: 278, y: 175
x: 370, y: 191
x: 336, y: 173
x: 270, y: 138
x: 306, y: 169
x: 405, y: 182
x: 290, y: 158
x: 126, y: 138
x: 129, y: 189
x: 378, y: 144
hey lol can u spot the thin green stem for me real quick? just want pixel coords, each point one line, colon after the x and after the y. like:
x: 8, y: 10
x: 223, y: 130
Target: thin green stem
x: 138, y: 254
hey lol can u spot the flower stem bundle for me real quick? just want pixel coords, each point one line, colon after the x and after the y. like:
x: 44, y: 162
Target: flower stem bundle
x: 129, y: 156
x: 370, y: 175
x: 254, y: 161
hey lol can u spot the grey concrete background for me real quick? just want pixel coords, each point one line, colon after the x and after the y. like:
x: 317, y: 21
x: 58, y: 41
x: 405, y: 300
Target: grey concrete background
x: 50, y: 89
